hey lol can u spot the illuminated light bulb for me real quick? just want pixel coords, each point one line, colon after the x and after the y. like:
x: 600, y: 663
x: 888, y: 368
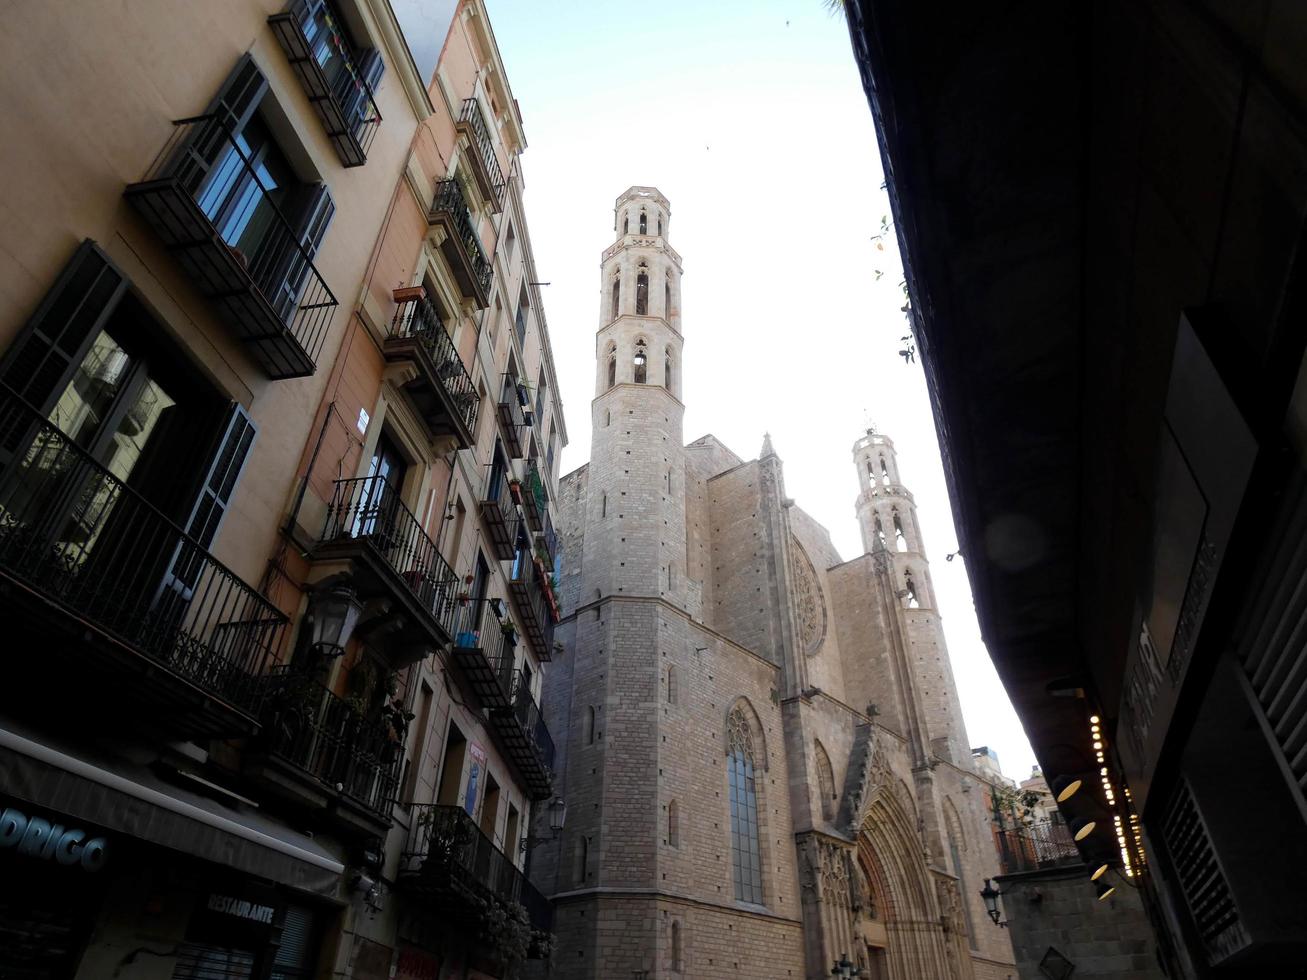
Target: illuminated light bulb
x: 1093, y: 719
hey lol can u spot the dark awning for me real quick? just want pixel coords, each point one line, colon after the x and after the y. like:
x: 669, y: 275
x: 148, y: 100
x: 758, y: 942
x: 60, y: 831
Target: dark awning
x: 130, y: 799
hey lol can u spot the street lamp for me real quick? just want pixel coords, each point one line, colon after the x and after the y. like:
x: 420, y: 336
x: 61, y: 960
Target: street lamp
x: 990, y: 894
x: 844, y: 969
x: 557, y: 817
x: 333, y: 614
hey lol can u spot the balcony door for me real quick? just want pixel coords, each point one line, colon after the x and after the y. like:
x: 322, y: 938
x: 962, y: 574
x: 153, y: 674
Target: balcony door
x: 380, y: 504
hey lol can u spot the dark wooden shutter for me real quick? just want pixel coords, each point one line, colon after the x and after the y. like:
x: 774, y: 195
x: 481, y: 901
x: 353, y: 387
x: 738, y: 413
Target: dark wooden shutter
x: 40, y: 362
x: 316, y: 209
x: 225, y: 468
x: 233, y: 106
x: 370, y: 69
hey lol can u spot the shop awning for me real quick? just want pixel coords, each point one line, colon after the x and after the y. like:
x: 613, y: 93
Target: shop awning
x: 130, y: 799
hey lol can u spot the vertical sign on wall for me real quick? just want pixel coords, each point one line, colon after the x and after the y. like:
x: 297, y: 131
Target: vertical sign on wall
x: 474, y: 778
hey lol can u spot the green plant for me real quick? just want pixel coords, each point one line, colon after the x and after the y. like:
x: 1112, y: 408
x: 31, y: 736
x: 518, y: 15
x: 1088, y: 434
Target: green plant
x: 506, y: 930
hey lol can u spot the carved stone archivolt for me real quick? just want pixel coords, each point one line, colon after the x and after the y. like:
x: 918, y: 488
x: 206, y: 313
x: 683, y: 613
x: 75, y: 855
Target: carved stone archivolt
x: 809, y: 602
x: 869, y: 772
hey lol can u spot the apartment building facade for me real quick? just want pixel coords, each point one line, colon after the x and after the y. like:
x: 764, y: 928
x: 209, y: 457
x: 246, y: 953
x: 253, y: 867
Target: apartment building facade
x: 275, y: 529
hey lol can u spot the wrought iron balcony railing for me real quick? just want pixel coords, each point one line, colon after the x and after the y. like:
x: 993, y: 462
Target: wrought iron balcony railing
x: 1037, y: 846
x: 442, y: 391
x: 462, y: 245
x: 331, y: 740
x: 367, y: 519
x: 484, y: 649
x: 486, y: 164
x: 532, y: 591
x: 342, y: 99
x: 499, y: 512
x: 448, y: 861
x: 529, y: 744
x: 107, y: 564
x: 513, y: 419
x: 535, y: 498
x: 205, y: 199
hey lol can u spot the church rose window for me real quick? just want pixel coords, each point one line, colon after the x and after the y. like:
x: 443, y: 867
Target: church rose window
x: 809, y: 603
x: 746, y: 854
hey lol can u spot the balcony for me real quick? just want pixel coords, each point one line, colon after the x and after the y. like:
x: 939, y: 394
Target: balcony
x: 533, y: 594
x: 452, y: 868
x: 484, y: 654
x: 387, y: 556
x: 323, y: 754
x: 461, y: 245
x: 514, y: 417
x: 499, y: 513
x: 117, y: 598
x: 343, y: 101
x: 485, y: 165
x: 269, y: 292
x: 1036, y: 847
x: 535, y: 499
x: 527, y: 740
x: 440, y: 388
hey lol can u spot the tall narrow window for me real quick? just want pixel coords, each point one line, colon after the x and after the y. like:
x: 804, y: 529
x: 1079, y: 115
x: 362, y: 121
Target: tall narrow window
x: 644, y: 222
x: 884, y: 472
x: 871, y: 471
x: 825, y: 782
x: 677, y: 956
x: 880, y: 529
x: 640, y: 363
x: 608, y: 417
x: 589, y: 725
x: 603, y: 505
x: 672, y: 693
x: 673, y: 820
x: 910, y: 588
x: 667, y: 370
x: 617, y: 296
x: 642, y: 292
x: 582, y: 859
x: 746, y: 854
x: 660, y: 226
x: 667, y: 299
x: 626, y: 224
x: 900, y: 541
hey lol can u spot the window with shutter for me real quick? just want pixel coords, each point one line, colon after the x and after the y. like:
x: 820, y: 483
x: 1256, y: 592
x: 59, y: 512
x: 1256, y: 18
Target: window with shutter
x: 41, y: 361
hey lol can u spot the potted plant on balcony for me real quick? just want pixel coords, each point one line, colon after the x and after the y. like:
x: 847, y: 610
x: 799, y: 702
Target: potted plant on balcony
x: 515, y: 488
x: 509, y: 629
x: 506, y: 932
x: 408, y: 294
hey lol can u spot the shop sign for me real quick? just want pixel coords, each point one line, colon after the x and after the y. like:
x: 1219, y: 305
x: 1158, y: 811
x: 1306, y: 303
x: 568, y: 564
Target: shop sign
x: 241, y: 908
x: 41, y: 839
x: 414, y: 964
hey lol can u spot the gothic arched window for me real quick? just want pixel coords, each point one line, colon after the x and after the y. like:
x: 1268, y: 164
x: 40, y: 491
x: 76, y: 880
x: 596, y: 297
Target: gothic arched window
x: 660, y: 226
x: 900, y: 540
x: 626, y: 224
x: 644, y: 222
x: 884, y: 472
x: 914, y: 602
x: 667, y: 370
x: 746, y: 853
x: 642, y: 292
x: 673, y: 825
x: 640, y: 363
x: 880, y: 528
x: 612, y: 365
x: 617, y: 296
x: 825, y: 782
x: 667, y: 298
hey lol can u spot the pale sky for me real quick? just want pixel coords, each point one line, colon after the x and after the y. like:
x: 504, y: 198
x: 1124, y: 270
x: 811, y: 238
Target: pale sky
x: 750, y: 117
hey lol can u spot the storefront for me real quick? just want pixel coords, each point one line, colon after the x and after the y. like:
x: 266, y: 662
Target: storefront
x: 163, y: 883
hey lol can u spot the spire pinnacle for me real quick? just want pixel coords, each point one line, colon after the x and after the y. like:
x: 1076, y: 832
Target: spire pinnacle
x: 767, y: 449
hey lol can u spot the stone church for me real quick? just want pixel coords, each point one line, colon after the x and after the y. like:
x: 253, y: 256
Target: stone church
x: 760, y: 744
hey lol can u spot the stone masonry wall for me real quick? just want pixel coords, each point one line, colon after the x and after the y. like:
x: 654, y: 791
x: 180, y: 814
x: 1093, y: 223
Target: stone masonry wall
x: 1059, y: 908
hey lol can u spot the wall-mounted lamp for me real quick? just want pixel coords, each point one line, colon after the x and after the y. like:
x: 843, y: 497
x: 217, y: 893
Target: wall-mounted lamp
x: 990, y: 896
x: 844, y: 969
x: 1103, y: 889
x: 333, y: 613
x: 557, y: 817
x: 1098, y: 872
